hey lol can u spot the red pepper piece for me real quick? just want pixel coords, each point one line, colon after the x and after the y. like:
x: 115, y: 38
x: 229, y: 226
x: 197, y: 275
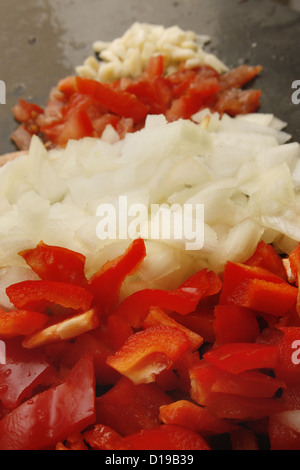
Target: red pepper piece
x: 106, y: 283
x: 244, y: 408
x: 234, y: 324
x: 201, y: 321
x: 282, y: 437
x: 21, y: 373
x: 236, y: 273
x: 158, y: 317
x: 55, y: 263
x: 128, y: 408
x: 288, y: 367
x: 34, y: 426
x: 208, y: 381
x: 147, y: 353
x: 240, y: 357
x: 37, y: 295
x: 20, y: 322
x: 244, y: 439
x: 196, y: 418
x: 118, y: 101
x: 265, y: 296
x: 102, y: 437
x: 167, y: 437
x: 267, y: 257
x: 183, y: 300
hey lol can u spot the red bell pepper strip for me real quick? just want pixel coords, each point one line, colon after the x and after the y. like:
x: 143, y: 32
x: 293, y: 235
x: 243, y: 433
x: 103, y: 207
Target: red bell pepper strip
x: 182, y: 300
x: 106, y: 283
x: 166, y: 437
x: 147, y: 353
x: 20, y: 322
x: 102, y: 437
x: 236, y: 273
x: 244, y: 408
x: 158, y: 317
x: 265, y: 296
x: 55, y: 263
x: 208, y: 380
x: 22, y: 372
x: 127, y: 408
x: 196, y: 418
x: 240, y: 357
x: 119, y: 102
x: 267, y: 257
x: 33, y: 425
x: 234, y: 324
x: 288, y: 366
x: 37, y: 295
x: 201, y: 321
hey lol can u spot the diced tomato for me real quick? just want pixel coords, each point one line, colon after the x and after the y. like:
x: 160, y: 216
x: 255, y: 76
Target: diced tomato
x: 25, y: 111
x: 55, y: 263
x: 119, y: 102
x: 128, y: 408
x: 155, y: 67
x: 33, y: 425
x: 40, y: 294
x: 235, y: 101
x: 167, y: 437
x: 239, y: 76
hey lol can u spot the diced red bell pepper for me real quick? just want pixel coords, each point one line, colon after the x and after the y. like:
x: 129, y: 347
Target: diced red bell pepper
x: 118, y: 101
x: 33, y: 425
x: 294, y: 261
x: 147, y: 353
x: 240, y: 357
x: 99, y: 350
x: 234, y: 324
x: 244, y: 408
x: 55, y: 263
x: 208, y: 381
x: 201, y: 321
x: 244, y: 439
x: 20, y: 322
x: 236, y: 273
x: 288, y: 366
x: 102, y: 437
x: 182, y: 300
x: 167, y: 437
x: 282, y: 437
x: 265, y: 296
x: 106, y: 283
x: 267, y: 257
x: 21, y: 373
x: 37, y: 295
x: 196, y: 418
x: 128, y: 408
x: 158, y: 317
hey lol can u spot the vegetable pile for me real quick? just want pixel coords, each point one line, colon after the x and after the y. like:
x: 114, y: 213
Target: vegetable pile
x: 208, y: 365
x: 80, y: 107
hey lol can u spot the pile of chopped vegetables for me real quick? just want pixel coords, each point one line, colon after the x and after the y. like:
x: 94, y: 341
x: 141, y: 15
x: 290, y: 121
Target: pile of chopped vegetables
x: 79, y: 107
x: 141, y: 344
x: 85, y: 370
